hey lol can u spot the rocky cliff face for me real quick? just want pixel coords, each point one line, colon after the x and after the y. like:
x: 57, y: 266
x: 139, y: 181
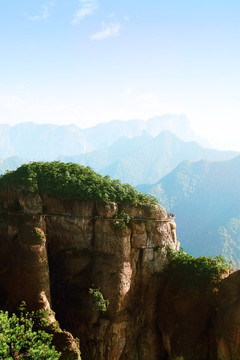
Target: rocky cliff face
x: 52, y: 251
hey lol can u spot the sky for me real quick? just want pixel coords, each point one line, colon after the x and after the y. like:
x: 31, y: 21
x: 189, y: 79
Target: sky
x: 89, y: 61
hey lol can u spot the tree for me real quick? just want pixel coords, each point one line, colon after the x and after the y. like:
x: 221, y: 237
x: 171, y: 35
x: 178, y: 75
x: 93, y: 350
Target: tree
x: 19, y: 341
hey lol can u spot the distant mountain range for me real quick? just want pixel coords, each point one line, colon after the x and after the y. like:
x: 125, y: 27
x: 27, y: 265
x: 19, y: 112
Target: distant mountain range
x: 205, y: 196
x: 47, y: 142
x: 145, y: 159
x: 11, y: 163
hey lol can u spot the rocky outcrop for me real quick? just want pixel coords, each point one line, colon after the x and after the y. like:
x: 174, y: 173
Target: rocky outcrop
x: 53, y: 251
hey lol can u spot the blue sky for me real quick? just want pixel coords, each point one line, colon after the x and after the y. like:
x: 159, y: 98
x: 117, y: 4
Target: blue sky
x: 89, y: 61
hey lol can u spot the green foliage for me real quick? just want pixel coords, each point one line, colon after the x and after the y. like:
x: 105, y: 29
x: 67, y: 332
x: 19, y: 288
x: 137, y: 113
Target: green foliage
x: 189, y: 272
x: 40, y: 318
x: 19, y: 340
x: 77, y: 341
x: 99, y: 303
x: 122, y: 220
x: 38, y: 234
x: 73, y: 181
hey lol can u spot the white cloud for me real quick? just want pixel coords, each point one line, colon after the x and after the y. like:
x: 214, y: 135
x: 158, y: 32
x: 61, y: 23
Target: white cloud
x: 10, y: 103
x: 111, y: 15
x: 87, y: 8
x: 111, y: 30
x: 127, y: 93
x: 44, y: 14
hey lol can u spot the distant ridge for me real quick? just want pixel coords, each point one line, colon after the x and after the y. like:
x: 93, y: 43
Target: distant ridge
x: 47, y: 141
x: 144, y: 159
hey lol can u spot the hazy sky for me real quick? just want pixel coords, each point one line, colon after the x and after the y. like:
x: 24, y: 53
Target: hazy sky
x: 89, y: 61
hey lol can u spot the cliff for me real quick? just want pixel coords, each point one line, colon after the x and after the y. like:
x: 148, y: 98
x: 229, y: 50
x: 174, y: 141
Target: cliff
x: 102, y: 267
x: 53, y: 250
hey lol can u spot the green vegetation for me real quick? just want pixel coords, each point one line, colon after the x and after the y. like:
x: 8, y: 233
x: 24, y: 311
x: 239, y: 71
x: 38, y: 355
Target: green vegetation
x: 98, y: 301
x: 38, y: 234
x: 19, y: 340
x: 122, y: 220
x: 190, y: 273
x: 73, y: 181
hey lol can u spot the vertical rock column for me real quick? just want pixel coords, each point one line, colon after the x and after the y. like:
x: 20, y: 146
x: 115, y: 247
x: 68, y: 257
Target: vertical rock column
x: 26, y: 274
x: 24, y: 270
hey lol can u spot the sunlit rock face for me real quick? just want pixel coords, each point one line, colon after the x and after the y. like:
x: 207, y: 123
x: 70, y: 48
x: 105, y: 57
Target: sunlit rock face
x: 53, y: 251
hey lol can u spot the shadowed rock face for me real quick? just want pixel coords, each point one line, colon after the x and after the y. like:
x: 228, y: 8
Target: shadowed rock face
x: 52, y: 251
x: 227, y: 323
x: 185, y: 320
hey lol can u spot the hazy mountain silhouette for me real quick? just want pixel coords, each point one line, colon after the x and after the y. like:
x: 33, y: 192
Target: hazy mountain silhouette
x: 144, y: 159
x: 47, y: 141
x: 11, y: 163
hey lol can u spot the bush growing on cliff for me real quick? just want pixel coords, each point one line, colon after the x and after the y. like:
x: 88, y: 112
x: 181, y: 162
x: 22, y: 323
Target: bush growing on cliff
x: 98, y: 301
x: 73, y: 181
x: 186, y: 271
x: 122, y: 220
x: 18, y: 340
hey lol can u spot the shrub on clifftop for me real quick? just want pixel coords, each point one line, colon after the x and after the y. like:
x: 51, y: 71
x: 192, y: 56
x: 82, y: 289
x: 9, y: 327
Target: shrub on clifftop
x: 73, y: 181
x: 187, y: 272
